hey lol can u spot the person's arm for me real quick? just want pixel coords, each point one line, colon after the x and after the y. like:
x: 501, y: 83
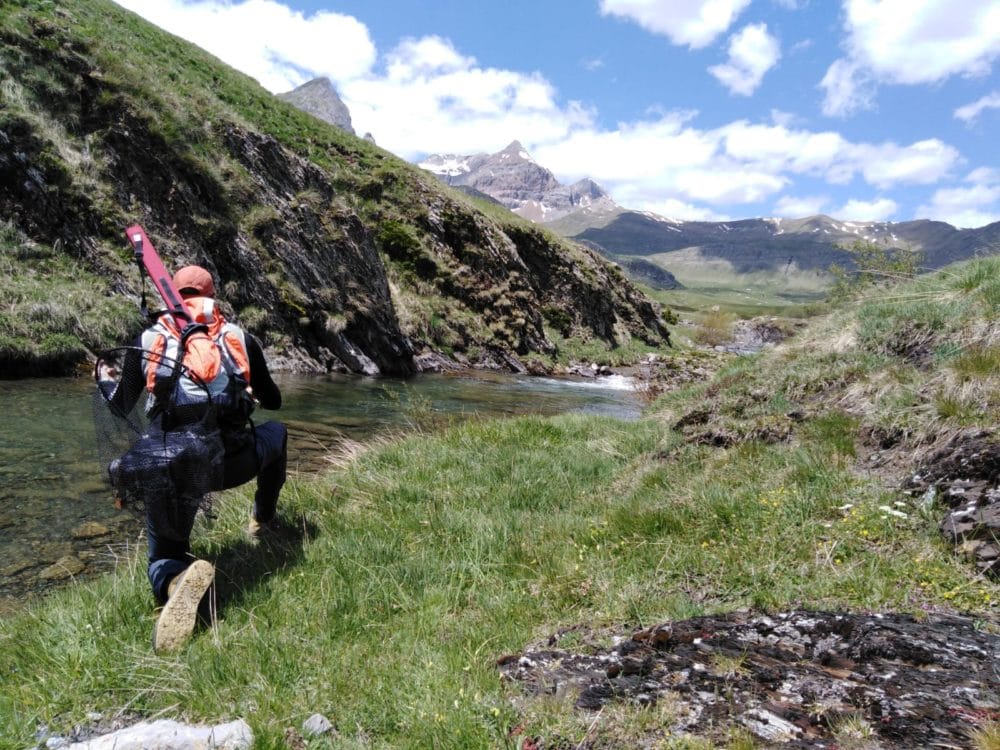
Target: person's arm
x: 122, y: 396
x: 265, y: 390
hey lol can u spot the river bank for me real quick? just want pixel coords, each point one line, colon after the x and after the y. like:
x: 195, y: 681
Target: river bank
x: 420, y: 586
x: 59, y: 525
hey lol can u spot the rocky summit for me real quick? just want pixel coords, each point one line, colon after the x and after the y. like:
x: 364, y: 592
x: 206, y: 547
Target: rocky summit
x: 518, y: 182
x: 319, y: 98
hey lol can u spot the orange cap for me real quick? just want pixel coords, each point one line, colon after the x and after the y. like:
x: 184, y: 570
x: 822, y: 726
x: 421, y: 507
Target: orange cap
x: 196, y: 278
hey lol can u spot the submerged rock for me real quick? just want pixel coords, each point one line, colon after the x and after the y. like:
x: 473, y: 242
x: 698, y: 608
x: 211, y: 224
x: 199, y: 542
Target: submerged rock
x: 65, y: 567
x: 89, y: 530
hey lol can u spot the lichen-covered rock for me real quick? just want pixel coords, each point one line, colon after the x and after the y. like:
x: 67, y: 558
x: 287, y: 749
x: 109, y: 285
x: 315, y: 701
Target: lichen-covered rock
x: 793, y: 679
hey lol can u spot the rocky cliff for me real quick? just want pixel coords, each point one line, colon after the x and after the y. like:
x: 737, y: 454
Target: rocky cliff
x: 336, y: 253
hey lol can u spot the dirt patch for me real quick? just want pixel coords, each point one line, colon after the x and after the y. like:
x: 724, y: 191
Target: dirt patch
x: 798, y: 679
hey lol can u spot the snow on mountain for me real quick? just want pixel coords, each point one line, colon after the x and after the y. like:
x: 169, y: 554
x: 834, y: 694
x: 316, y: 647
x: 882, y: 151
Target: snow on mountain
x: 516, y: 180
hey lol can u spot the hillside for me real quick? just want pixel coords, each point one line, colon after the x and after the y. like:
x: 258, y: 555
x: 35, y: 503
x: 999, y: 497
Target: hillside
x: 794, y: 549
x: 336, y: 253
x: 808, y: 245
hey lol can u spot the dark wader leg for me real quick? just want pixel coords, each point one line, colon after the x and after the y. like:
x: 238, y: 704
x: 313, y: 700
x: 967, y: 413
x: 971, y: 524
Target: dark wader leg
x: 168, y: 530
x: 262, y: 452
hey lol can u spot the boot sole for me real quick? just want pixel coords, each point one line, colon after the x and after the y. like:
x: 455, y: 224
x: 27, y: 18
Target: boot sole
x: 180, y: 613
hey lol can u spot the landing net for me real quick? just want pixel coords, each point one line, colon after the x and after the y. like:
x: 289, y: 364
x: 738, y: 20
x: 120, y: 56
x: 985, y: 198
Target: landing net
x: 155, y: 461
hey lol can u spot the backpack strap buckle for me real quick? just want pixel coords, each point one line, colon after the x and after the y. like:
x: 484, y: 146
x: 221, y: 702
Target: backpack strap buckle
x: 190, y: 329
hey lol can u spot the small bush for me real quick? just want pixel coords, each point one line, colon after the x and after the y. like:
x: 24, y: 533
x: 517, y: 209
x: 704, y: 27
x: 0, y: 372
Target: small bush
x: 873, y: 265
x: 715, y: 328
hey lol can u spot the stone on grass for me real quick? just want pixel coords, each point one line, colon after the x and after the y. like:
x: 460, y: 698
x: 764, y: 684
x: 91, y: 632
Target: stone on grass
x: 316, y: 725
x: 166, y: 734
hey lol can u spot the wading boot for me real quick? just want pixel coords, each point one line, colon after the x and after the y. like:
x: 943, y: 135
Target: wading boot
x: 257, y: 530
x: 180, y: 613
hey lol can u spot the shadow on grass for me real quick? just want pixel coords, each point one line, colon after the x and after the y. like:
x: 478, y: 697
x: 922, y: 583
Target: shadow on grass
x: 244, y: 564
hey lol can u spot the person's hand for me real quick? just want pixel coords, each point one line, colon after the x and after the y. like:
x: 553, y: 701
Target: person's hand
x: 107, y: 372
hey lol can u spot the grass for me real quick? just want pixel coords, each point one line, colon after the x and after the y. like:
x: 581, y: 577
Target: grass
x: 412, y: 566
x: 745, y: 303
x: 54, y: 311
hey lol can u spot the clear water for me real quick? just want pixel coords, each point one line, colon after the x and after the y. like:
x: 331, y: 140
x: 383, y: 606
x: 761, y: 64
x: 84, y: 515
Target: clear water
x: 55, y: 508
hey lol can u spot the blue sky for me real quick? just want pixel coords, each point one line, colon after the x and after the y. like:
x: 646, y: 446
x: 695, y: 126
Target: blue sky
x: 692, y: 109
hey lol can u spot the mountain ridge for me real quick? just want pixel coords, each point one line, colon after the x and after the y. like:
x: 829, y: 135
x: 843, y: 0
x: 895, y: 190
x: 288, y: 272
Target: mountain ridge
x: 512, y: 177
x: 688, y: 248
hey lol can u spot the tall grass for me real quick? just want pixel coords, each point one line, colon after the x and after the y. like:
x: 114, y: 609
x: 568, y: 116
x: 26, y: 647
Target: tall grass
x: 53, y: 311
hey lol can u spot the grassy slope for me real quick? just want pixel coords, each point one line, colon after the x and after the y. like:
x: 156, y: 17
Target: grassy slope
x: 420, y: 562
x: 55, y: 55
x: 53, y: 312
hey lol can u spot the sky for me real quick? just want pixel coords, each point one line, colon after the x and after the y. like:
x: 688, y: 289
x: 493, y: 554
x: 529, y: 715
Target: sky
x: 865, y: 110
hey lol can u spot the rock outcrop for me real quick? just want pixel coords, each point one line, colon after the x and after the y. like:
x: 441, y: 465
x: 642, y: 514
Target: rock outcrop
x: 319, y: 98
x: 796, y: 679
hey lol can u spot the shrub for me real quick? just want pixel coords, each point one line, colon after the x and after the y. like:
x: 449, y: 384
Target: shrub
x: 715, y: 328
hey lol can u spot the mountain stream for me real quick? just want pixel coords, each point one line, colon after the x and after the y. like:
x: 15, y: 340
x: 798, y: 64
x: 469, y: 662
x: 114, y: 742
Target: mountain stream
x: 57, y: 519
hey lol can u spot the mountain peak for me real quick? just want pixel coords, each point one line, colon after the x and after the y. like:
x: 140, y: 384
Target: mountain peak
x: 319, y: 98
x: 515, y: 150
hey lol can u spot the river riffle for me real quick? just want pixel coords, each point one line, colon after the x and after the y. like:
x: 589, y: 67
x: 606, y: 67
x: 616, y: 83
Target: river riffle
x: 57, y: 519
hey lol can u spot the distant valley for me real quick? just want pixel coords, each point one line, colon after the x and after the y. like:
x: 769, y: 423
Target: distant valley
x: 664, y: 252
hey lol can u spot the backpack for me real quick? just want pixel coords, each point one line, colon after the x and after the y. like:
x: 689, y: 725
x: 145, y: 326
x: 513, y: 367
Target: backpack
x: 201, y: 371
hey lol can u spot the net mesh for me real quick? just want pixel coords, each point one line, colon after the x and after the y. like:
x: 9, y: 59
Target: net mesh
x: 154, y: 462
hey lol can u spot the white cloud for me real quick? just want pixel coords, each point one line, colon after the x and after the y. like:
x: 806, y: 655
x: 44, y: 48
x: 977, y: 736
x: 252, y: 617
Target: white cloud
x: 678, y: 209
x: 970, y: 112
x: 427, y: 96
x: 879, y: 209
x: 727, y: 185
x: 776, y: 148
x: 849, y: 89
x: 752, y: 52
x: 923, y: 41
x: 279, y: 47
x: 799, y: 206
x: 433, y: 99
x: 695, y: 23
x: 829, y: 155
x: 920, y: 163
x: 909, y: 42
x: 646, y: 151
x: 973, y: 205
x: 785, y: 119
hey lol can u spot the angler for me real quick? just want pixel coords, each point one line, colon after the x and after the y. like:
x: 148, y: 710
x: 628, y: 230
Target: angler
x: 193, y: 434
